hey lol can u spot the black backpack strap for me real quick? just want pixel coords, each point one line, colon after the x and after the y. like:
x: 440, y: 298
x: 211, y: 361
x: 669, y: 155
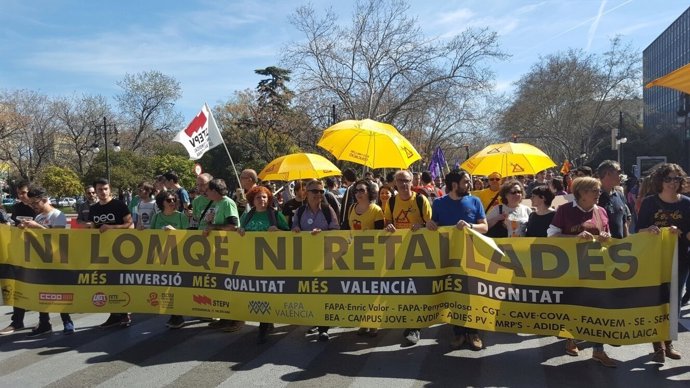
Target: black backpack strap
x: 250, y: 214
x: 271, y: 216
x: 326, y: 209
x: 420, y: 206
x: 300, y: 212
x: 491, y: 203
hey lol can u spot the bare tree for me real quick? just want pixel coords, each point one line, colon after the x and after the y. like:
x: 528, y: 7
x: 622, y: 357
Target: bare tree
x: 383, y: 67
x: 29, y: 145
x: 147, y: 105
x: 569, y: 102
x: 77, y: 116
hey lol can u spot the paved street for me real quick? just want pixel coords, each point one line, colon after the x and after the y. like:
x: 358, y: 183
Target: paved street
x: 148, y: 354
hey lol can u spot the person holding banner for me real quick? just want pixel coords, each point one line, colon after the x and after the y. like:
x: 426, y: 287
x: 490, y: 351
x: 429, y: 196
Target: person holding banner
x: 110, y: 213
x: 668, y: 208
x: 364, y: 214
x: 584, y: 219
x: 540, y: 219
x: 262, y: 217
x: 511, y: 213
x: 222, y: 215
x: 407, y: 210
x: 21, y: 210
x: 46, y: 217
x: 314, y: 216
x: 463, y: 210
x: 169, y: 218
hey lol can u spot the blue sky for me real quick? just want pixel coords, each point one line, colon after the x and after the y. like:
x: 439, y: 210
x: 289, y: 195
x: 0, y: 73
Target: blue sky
x: 60, y: 47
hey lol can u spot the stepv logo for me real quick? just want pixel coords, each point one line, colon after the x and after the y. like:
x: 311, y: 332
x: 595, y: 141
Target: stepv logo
x: 202, y: 299
x: 259, y: 307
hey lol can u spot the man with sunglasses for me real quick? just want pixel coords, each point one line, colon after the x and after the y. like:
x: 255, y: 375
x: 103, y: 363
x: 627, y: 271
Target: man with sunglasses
x: 83, y: 208
x: 405, y: 212
x: 489, y: 196
x: 314, y: 216
x: 609, y: 173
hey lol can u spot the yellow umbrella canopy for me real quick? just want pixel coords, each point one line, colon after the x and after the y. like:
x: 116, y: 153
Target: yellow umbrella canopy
x: 508, y: 159
x: 298, y: 166
x: 369, y: 143
x: 678, y: 79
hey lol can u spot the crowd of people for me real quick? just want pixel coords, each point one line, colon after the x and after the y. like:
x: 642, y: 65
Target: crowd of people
x: 594, y: 204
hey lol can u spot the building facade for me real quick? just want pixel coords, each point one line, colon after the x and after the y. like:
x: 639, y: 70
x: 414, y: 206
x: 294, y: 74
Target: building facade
x: 666, y: 109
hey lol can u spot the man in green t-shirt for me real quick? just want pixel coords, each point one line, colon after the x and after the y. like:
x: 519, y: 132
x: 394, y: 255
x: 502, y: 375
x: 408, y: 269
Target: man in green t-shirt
x: 201, y: 203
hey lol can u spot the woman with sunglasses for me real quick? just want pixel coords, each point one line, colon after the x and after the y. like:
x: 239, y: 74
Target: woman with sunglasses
x: 668, y: 208
x: 511, y: 213
x: 364, y: 214
x: 262, y: 217
x: 169, y: 218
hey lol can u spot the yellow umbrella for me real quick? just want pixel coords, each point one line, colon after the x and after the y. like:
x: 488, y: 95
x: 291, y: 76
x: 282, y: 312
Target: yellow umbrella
x: 678, y: 79
x: 508, y: 159
x: 369, y: 143
x: 298, y: 166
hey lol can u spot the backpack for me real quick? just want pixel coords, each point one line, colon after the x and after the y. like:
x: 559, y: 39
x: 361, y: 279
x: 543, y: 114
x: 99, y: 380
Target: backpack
x: 418, y: 199
x: 271, y: 216
x: 325, y: 209
x: 428, y: 192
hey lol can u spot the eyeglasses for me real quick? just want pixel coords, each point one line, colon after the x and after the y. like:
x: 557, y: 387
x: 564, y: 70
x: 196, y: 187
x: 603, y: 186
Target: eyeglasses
x: 516, y: 192
x: 676, y: 179
x: 91, y: 192
x: 494, y: 179
x: 316, y: 191
x: 170, y: 200
x: 358, y: 191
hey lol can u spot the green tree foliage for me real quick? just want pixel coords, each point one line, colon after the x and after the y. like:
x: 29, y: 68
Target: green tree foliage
x: 60, y: 181
x: 259, y: 126
x: 147, y: 107
x: 127, y: 169
x: 181, y: 165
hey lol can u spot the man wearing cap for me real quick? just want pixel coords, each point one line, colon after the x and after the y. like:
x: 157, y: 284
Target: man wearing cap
x: 489, y: 196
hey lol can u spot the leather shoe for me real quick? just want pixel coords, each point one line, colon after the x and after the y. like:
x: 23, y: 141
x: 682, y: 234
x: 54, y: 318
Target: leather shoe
x: 658, y: 356
x: 603, y: 358
x: 475, y: 342
x: 571, y: 347
x: 670, y: 352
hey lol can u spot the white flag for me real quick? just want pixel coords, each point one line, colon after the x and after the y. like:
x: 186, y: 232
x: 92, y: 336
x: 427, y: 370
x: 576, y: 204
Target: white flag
x: 201, y: 134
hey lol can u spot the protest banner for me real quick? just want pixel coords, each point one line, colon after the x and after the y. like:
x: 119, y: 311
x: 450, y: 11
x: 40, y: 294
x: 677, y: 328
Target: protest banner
x: 616, y: 292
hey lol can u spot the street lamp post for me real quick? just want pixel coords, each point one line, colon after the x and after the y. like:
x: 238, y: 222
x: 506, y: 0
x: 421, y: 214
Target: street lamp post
x: 116, y: 144
x: 683, y: 113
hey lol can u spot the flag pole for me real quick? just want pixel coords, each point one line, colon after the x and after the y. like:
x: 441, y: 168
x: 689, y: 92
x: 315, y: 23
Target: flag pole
x: 232, y: 163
